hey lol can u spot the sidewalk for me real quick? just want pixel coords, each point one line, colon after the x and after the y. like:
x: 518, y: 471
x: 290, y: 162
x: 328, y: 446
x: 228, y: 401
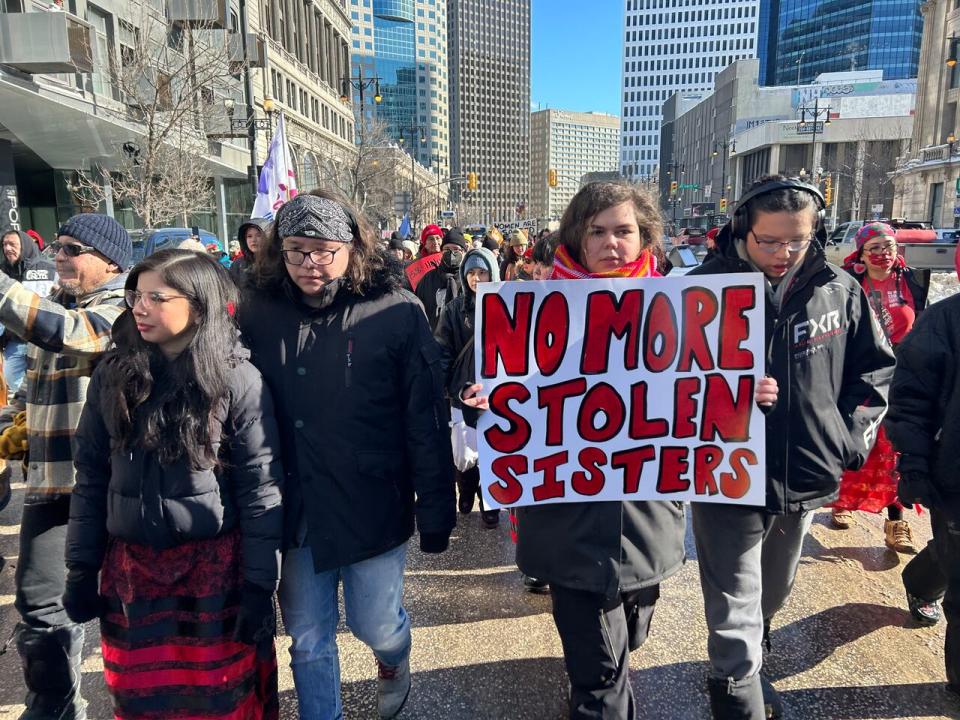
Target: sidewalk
x: 843, y: 648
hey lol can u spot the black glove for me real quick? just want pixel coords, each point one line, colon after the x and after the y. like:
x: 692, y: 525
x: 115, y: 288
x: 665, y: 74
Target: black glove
x: 256, y: 620
x: 434, y: 542
x: 917, y: 487
x: 81, y: 597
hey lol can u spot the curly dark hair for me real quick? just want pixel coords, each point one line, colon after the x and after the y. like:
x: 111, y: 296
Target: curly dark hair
x: 596, y: 197
x: 365, y: 258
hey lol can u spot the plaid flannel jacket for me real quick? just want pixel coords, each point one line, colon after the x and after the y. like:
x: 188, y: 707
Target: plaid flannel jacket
x: 66, y: 336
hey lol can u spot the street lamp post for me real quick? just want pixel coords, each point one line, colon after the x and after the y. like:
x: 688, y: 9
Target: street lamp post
x: 728, y: 147
x: 814, y: 112
x: 360, y: 83
x: 413, y: 131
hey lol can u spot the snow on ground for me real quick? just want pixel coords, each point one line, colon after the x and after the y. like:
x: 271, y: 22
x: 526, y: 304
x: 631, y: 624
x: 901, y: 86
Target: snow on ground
x: 942, y: 285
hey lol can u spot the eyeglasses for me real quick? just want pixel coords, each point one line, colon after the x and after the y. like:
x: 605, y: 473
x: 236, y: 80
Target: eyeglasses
x: 772, y: 246
x: 149, y: 299
x: 71, y: 249
x: 317, y: 257
x: 888, y: 249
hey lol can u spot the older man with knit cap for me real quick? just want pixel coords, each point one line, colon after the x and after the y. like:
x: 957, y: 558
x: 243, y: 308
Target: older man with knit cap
x: 67, y: 332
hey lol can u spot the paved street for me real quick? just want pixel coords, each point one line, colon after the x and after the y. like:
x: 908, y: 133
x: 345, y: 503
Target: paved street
x: 844, y: 647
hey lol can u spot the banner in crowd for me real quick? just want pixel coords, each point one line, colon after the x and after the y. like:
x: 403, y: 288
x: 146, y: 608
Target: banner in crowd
x: 278, y: 183
x: 418, y: 268
x: 621, y: 390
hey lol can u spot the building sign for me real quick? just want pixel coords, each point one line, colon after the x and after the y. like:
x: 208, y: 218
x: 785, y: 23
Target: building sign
x: 9, y: 201
x: 810, y: 128
x: 744, y: 124
x: 809, y: 93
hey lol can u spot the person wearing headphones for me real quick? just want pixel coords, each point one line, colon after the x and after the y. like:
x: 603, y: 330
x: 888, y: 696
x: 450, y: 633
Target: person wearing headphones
x: 833, y: 368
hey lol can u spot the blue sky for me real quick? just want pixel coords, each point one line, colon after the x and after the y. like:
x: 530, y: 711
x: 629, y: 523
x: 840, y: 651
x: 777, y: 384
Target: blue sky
x: 575, y: 55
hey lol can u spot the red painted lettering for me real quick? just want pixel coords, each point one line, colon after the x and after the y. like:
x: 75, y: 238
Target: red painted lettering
x: 632, y: 462
x: 673, y: 466
x: 506, y: 467
x: 601, y: 398
x: 549, y: 488
x: 590, y: 482
x: 553, y: 397
x: 699, y: 310
x: 724, y: 416
x: 735, y: 485
x: 552, y: 332
x: 660, y: 334
x: 607, y: 318
x: 735, y: 328
x: 506, y: 338
x: 517, y: 434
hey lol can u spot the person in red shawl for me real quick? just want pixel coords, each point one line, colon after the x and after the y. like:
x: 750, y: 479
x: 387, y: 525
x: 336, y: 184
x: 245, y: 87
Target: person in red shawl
x: 897, y: 294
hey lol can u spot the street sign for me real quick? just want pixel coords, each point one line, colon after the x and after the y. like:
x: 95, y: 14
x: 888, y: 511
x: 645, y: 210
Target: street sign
x: 956, y: 211
x: 689, y: 186
x: 810, y: 128
x: 708, y: 190
x: 447, y: 213
x: 877, y: 208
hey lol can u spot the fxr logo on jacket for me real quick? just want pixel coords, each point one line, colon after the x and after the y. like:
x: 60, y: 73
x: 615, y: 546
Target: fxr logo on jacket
x: 815, y: 331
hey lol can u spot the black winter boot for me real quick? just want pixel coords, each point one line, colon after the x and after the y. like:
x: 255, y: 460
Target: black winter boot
x: 772, y: 705
x: 51, y: 671
x: 736, y: 699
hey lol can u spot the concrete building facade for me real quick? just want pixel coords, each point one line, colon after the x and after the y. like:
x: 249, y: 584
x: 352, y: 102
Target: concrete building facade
x: 672, y: 46
x: 89, y: 125
x: 927, y: 176
x: 489, y: 60
x: 573, y: 144
x: 740, y: 132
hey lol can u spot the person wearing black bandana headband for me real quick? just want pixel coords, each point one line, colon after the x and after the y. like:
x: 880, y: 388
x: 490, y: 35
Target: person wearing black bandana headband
x: 355, y: 373
x: 442, y: 284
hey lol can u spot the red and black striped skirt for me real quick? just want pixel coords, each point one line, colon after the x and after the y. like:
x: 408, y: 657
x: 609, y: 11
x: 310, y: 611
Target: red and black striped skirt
x: 167, y: 635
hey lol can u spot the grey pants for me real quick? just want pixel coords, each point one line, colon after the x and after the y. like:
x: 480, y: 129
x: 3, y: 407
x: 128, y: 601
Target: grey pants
x: 748, y: 561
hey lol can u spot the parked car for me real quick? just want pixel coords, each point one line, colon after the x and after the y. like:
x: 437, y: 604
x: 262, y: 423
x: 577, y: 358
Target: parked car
x: 690, y: 236
x: 147, y: 242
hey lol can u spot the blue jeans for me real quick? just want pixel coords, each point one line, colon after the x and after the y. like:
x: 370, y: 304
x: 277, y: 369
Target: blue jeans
x: 372, y: 594
x: 14, y: 364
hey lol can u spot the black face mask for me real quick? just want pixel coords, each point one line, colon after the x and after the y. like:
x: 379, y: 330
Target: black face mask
x: 452, y: 258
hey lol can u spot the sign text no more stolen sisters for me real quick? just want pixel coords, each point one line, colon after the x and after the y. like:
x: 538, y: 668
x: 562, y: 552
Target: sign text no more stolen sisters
x: 621, y: 390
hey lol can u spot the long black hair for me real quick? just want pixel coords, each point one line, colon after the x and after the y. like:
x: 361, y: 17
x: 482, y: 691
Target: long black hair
x: 166, y: 405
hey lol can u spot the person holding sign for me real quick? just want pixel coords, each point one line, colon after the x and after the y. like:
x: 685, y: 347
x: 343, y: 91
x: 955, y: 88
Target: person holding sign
x: 604, y: 560
x: 833, y: 368
x: 355, y: 373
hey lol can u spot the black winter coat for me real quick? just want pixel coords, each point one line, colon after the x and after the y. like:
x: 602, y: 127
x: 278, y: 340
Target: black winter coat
x: 601, y: 547
x: 128, y: 494
x: 359, y: 397
x: 924, y: 418
x: 833, y: 367
x: 435, y: 290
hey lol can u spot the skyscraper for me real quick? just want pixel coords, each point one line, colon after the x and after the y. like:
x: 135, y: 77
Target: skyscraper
x: 404, y: 44
x: 672, y: 46
x: 489, y: 52
x: 572, y: 144
x: 804, y: 38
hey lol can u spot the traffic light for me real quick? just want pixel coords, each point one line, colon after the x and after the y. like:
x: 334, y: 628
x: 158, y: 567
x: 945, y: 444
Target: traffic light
x: 828, y: 190
x: 723, y: 205
x: 552, y: 177
x: 673, y: 187
x: 471, y: 181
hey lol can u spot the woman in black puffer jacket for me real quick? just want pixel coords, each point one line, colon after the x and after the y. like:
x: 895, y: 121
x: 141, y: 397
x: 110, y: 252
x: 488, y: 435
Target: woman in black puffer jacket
x: 177, y: 502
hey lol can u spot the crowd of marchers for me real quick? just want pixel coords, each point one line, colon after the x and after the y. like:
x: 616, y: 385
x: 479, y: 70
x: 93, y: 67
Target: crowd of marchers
x: 198, y: 443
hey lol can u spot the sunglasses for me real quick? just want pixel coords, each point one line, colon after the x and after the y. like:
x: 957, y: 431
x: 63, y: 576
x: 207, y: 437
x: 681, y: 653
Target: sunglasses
x: 71, y: 249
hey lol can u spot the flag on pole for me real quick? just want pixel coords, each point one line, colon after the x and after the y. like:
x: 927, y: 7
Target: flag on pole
x: 277, y: 184
x: 405, y: 226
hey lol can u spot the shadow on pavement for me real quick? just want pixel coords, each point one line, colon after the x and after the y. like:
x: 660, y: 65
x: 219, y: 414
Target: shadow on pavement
x: 804, y: 644
x: 854, y: 702
x: 877, y: 558
x: 529, y: 689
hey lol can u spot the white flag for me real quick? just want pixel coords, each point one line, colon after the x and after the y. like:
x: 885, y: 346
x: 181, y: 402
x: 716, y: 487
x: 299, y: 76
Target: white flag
x: 278, y: 184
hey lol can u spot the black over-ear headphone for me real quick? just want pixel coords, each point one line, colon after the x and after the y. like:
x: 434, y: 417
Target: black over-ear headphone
x: 740, y: 224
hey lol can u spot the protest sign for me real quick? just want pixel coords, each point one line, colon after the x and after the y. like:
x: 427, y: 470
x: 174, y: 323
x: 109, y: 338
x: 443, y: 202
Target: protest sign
x: 418, y: 268
x: 621, y: 389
